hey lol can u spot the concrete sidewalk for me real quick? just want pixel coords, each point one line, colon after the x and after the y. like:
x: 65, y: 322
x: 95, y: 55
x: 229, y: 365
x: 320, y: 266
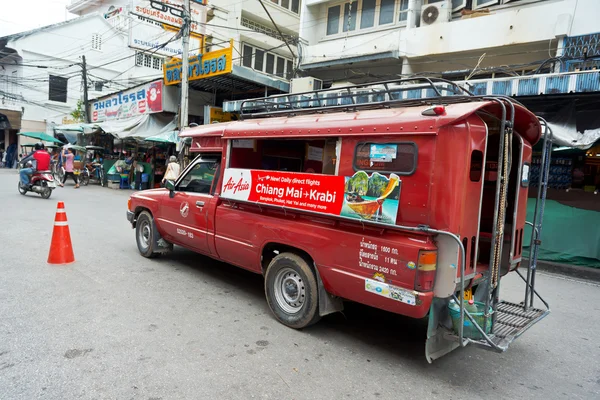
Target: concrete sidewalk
x: 574, y: 271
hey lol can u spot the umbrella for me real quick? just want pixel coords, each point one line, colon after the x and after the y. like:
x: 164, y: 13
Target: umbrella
x: 75, y: 147
x: 41, y: 136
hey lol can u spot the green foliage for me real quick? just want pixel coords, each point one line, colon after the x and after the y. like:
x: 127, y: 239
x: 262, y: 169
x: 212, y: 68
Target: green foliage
x: 79, y: 113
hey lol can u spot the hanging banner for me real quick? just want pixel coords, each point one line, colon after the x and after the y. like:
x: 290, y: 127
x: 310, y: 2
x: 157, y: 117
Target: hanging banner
x: 144, y: 99
x: 170, y: 12
x: 202, y: 66
x: 361, y: 196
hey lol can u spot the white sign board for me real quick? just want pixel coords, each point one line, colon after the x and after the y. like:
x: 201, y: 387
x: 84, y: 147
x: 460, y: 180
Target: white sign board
x: 143, y: 99
x: 144, y: 8
x: 149, y: 35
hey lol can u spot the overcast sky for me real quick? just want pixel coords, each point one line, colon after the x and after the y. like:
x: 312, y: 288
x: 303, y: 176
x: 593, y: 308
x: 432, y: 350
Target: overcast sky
x: 23, y: 15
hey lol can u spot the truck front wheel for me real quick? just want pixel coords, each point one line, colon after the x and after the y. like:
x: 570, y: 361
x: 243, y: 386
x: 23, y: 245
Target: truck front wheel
x: 291, y: 291
x: 144, y: 234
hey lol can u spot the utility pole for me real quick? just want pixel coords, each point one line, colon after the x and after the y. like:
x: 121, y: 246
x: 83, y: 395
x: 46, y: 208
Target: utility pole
x: 187, y: 21
x: 85, y: 90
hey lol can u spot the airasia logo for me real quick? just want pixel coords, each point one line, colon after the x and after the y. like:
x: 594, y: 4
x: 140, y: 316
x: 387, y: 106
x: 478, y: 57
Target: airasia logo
x: 238, y: 186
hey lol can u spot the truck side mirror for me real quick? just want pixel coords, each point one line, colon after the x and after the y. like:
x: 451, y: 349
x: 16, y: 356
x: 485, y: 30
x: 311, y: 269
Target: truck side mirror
x: 169, y: 184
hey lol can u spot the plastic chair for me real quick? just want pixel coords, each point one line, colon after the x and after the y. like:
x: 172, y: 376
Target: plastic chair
x: 124, y: 182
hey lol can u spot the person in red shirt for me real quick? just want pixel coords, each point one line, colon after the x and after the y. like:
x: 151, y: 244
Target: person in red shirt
x: 42, y: 158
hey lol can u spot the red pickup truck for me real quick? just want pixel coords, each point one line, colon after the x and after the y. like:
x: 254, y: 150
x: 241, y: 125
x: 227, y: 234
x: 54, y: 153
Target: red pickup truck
x: 395, y: 207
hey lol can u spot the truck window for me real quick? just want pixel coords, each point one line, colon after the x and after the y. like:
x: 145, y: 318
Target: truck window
x: 398, y: 157
x: 290, y: 155
x: 199, y: 179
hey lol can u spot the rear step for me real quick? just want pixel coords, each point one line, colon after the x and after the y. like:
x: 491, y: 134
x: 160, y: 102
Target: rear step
x: 512, y: 320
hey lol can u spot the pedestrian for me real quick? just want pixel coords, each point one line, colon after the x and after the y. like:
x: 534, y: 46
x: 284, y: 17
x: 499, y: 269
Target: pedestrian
x: 172, y: 171
x: 68, y: 157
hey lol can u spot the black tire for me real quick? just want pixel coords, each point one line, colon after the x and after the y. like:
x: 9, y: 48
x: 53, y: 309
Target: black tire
x: 144, y: 234
x: 22, y: 189
x: 85, y: 178
x: 292, y: 292
x: 46, y: 193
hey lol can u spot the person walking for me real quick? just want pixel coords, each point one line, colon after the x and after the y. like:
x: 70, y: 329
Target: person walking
x: 68, y: 157
x: 172, y: 171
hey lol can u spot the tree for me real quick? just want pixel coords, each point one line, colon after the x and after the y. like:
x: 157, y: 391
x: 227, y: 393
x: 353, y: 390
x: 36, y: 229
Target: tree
x: 79, y: 113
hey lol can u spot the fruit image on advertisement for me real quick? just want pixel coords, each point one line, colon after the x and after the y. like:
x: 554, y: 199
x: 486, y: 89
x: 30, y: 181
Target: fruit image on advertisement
x: 374, y: 198
x: 154, y: 96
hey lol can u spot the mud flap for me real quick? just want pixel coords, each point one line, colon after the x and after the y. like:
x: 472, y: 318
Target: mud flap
x: 160, y: 245
x: 437, y: 344
x: 328, y: 304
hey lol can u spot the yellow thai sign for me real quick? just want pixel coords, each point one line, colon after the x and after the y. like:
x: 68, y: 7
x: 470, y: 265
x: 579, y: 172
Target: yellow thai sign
x: 213, y: 63
x: 218, y: 115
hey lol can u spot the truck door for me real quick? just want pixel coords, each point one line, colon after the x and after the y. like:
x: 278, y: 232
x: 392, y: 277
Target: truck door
x: 186, y: 215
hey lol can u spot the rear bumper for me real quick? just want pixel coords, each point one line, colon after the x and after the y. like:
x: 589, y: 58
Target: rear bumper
x: 131, y: 218
x: 385, y: 296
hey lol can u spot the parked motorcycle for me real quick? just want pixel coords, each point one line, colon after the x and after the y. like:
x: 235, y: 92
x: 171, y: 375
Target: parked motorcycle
x: 41, y: 182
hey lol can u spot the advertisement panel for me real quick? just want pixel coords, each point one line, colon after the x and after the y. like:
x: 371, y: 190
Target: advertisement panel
x: 202, y: 66
x: 361, y: 196
x: 148, y: 35
x: 144, y: 99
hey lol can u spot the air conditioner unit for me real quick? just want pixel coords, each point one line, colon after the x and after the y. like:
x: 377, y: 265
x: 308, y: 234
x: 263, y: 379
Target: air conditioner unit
x: 436, y: 13
x: 308, y: 84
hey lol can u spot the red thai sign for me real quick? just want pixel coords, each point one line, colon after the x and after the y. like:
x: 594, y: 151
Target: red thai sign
x: 374, y: 198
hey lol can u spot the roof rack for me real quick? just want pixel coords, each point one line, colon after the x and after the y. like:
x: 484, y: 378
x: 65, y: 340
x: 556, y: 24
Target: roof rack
x: 408, y: 91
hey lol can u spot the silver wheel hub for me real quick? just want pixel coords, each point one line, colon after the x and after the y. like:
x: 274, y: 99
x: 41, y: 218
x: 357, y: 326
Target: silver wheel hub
x: 290, y: 292
x: 145, y: 234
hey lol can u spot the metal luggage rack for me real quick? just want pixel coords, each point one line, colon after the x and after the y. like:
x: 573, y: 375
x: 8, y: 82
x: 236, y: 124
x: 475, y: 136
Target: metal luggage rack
x: 405, y: 92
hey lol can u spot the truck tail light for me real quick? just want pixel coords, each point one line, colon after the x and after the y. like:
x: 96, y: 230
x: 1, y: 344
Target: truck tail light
x: 426, y: 268
x: 129, y: 204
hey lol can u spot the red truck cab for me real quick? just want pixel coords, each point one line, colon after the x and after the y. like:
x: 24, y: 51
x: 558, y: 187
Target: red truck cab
x: 395, y: 207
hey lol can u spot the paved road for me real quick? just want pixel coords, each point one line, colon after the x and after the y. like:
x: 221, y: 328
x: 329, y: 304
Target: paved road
x: 117, y: 326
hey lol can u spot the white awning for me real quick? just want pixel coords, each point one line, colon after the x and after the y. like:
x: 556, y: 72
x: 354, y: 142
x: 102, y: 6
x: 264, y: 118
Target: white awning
x: 151, y: 126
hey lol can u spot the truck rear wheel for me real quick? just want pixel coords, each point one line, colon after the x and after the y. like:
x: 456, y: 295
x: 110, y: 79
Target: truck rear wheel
x: 144, y: 234
x: 291, y: 290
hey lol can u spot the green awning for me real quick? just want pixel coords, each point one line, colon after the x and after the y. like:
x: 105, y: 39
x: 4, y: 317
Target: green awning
x: 165, y: 137
x: 40, y: 136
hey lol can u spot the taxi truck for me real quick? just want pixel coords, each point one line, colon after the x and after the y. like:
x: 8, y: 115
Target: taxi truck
x: 414, y: 205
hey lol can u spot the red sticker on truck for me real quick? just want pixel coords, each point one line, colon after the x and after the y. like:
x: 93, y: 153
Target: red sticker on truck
x: 373, y: 198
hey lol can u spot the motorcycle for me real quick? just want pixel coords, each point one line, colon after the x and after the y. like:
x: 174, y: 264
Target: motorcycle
x: 41, y: 182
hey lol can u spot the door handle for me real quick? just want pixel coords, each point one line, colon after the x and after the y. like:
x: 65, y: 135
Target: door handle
x: 199, y: 204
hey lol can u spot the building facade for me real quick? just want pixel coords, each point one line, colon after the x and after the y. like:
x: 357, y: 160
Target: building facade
x: 363, y: 40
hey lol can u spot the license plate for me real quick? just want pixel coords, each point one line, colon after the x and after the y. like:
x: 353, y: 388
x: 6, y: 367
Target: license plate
x: 51, y: 184
x: 468, y: 294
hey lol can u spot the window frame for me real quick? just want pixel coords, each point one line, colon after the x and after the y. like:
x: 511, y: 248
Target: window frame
x: 62, y: 93
x: 141, y: 57
x: 362, y: 143
x: 266, y: 55
x: 357, y: 10
x: 187, y: 171
x: 289, y: 7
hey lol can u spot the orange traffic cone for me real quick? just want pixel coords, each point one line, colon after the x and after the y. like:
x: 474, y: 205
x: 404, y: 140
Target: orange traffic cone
x: 61, y: 251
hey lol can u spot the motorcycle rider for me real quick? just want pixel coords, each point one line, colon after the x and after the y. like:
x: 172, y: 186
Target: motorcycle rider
x: 42, y: 158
